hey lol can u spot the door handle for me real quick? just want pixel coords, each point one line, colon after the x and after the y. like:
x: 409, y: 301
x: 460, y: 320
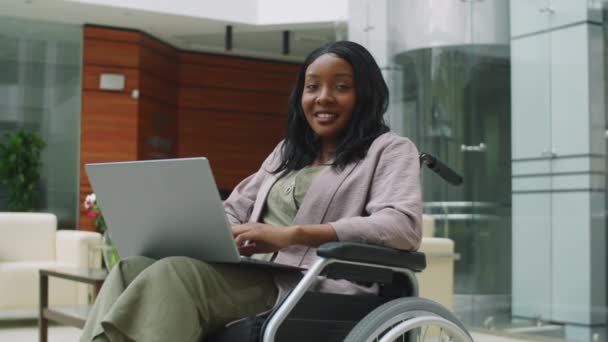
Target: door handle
x: 547, y: 9
x: 548, y: 154
x: 473, y: 148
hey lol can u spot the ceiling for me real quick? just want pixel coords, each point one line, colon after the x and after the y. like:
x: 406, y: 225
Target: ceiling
x: 187, y: 33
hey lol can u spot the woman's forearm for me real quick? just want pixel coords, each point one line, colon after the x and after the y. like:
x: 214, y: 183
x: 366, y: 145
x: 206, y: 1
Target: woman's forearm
x: 313, y: 235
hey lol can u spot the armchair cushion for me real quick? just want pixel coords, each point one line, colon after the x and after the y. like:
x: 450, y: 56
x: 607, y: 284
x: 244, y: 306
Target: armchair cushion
x: 76, y: 247
x: 29, y: 242
x: 19, y: 280
x: 27, y: 236
x: 428, y: 225
x: 436, y: 282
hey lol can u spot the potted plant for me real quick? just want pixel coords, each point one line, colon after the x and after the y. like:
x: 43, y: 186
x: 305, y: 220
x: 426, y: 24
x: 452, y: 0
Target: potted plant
x: 20, y: 168
x: 109, y: 252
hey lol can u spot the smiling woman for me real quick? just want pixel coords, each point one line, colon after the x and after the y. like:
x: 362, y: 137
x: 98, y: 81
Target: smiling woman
x: 331, y: 179
x: 328, y: 100
x: 340, y: 94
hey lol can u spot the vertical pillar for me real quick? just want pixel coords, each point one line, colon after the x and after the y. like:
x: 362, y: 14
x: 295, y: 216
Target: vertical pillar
x: 368, y: 25
x: 137, y: 122
x: 558, y: 163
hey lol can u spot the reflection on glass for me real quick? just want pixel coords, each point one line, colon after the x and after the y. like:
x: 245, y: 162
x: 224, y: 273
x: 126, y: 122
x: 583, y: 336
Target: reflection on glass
x: 457, y: 107
x: 40, y: 87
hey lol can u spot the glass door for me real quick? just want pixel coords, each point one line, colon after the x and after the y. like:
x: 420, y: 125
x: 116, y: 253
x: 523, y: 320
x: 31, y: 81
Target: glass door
x: 457, y: 107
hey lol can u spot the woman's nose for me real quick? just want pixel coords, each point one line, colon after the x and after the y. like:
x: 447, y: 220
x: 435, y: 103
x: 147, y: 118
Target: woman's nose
x: 325, y: 96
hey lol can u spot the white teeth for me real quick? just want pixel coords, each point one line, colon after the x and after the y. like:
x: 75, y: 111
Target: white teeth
x: 325, y: 115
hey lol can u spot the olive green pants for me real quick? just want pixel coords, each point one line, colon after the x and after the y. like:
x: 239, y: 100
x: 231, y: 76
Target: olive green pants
x: 175, y: 299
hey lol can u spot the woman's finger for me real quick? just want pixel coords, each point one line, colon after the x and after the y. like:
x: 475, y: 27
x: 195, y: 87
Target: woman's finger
x: 240, y: 229
x: 241, y: 238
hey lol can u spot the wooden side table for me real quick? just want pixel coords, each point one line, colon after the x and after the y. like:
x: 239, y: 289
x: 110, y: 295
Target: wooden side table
x: 74, y: 316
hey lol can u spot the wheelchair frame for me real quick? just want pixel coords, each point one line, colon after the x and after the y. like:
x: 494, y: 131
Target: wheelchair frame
x: 367, y: 259
x: 307, y: 281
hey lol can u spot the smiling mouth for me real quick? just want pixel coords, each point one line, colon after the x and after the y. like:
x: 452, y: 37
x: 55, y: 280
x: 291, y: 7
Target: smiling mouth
x: 325, y: 116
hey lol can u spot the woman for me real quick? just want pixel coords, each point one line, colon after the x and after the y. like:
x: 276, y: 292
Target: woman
x: 339, y: 175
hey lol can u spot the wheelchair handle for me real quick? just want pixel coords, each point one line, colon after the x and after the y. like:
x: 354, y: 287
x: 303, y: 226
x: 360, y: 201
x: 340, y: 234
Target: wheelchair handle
x: 440, y: 168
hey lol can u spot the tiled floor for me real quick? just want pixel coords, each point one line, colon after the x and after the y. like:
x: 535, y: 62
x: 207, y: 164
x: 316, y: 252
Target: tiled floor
x: 28, y: 332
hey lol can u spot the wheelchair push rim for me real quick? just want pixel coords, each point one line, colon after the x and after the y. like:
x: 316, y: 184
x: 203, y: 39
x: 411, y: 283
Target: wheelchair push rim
x: 448, y: 330
x: 409, y: 319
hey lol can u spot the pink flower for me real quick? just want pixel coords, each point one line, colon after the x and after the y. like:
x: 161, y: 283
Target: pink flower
x: 92, y: 214
x: 89, y: 201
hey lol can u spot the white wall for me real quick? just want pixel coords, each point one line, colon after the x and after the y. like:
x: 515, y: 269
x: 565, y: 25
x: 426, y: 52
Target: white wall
x: 254, y: 12
x: 240, y: 11
x: 274, y: 12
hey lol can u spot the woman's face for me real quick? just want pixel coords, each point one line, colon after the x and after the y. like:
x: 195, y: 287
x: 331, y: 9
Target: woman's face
x: 328, y: 99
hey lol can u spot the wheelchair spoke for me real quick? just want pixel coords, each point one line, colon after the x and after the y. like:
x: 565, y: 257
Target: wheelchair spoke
x: 425, y: 331
x: 407, y: 320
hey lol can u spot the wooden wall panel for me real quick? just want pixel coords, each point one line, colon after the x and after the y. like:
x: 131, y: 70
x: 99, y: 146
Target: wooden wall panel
x: 91, y: 74
x: 237, y: 79
x: 237, y: 62
x: 109, y: 119
x: 158, y: 101
x: 157, y: 130
x: 233, y: 100
x: 158, y: 89
x: 111, y: 54
x: 111, y: 34
x: 160, y: 47
x: 235, y: 143
x: 232, y: 110
x: 160, y: 65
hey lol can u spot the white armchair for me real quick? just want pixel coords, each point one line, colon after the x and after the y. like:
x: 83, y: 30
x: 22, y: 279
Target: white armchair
x: 31, y: 241
x: 436, y: 282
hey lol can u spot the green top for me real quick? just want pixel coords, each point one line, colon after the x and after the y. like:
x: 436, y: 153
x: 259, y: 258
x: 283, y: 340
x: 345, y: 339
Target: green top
x: 286, y: 195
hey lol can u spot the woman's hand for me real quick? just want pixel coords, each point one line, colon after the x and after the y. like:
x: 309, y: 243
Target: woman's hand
x: 262, y: 238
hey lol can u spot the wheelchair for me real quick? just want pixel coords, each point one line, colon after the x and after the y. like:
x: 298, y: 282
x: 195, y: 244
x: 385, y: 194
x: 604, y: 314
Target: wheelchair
x: 395, y: 314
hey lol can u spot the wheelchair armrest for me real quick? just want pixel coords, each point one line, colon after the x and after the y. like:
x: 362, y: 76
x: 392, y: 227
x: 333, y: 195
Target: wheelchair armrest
x: 372, y: 254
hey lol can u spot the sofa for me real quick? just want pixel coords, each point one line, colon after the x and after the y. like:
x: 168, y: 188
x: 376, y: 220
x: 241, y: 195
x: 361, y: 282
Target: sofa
x: 436, y: 282
x: 31, y: 241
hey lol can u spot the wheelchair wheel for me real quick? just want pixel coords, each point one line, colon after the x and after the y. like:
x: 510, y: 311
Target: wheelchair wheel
x: 409, y: 319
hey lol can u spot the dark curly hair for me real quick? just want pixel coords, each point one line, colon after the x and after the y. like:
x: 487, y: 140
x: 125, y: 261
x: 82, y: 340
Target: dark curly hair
x: 301, y: 146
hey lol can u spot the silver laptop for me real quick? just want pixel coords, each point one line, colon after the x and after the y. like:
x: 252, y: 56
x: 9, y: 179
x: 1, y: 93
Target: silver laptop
x: 167, y: 207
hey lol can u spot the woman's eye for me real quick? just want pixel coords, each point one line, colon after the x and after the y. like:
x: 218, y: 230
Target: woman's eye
x: 311, y: 86
x: 342, y: 87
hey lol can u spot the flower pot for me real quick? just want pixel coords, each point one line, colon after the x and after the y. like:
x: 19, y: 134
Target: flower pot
x: 109, y: 253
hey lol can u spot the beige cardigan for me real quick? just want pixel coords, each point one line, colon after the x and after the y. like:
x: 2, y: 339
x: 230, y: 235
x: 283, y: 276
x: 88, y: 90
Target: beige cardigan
x: 376, y: 200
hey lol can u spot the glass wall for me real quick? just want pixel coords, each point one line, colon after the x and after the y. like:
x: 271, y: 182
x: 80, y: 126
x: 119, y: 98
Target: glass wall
x: 40, y: 90
x: 457, y: 107
x: 514, y: 99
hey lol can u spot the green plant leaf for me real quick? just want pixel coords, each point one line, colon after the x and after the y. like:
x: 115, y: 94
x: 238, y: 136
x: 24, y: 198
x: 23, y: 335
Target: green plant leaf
x: 20, y: 166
